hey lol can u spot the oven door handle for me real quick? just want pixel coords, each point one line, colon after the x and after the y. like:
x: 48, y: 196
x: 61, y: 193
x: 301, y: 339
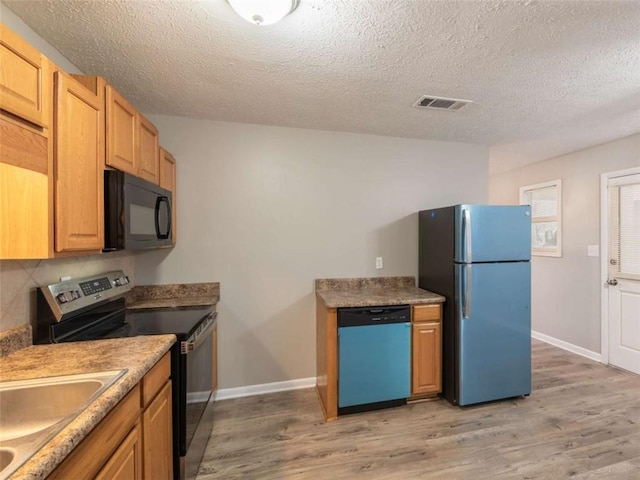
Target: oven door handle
x: 192, y: 344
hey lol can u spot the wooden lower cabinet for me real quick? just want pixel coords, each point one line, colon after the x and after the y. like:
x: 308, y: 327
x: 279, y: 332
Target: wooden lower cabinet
x: 426, y: 355
x: 157, y: 437
x: 126, y: 462
x: 134, y: 441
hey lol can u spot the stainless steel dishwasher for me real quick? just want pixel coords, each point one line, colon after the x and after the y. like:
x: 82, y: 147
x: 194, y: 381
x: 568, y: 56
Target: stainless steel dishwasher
x: 374, y: 357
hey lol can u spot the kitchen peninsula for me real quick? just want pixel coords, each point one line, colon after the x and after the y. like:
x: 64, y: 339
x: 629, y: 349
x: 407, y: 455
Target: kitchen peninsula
x: 426, y: 337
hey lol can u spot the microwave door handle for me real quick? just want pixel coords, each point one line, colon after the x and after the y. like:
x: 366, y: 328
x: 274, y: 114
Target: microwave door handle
x: 159, y: 201
x: 169, y: 216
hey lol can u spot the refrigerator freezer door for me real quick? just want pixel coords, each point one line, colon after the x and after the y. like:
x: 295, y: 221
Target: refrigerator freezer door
x: 492, y: 233
x: 494, y: 324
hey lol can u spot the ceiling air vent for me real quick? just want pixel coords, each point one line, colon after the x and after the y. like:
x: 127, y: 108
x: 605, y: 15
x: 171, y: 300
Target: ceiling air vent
x: 440, y: 103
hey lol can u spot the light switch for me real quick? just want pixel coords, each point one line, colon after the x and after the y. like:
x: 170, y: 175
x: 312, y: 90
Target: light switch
x: 593, y: 250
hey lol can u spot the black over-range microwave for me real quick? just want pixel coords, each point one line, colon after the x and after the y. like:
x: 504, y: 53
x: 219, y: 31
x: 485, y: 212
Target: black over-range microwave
x: 137, y: 213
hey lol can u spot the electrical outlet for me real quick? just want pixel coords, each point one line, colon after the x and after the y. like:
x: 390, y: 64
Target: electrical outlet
x: 378, y: 262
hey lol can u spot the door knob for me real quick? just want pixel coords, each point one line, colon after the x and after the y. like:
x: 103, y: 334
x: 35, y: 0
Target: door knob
x: 613, y: 281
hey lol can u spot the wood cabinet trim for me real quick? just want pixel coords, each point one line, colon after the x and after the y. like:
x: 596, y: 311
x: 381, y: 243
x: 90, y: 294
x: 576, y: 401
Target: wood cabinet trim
x: 23, y: 148
x: 327, y: 358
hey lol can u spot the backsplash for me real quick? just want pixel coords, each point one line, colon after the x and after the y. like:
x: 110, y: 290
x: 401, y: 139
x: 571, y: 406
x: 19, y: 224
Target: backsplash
x: 20, y: 278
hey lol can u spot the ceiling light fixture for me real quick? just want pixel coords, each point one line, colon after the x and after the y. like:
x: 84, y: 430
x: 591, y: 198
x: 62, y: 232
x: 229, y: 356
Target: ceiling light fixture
x: 263, y: 12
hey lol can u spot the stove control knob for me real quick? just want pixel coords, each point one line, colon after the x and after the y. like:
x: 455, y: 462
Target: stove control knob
x: 68, y: 296
x: 120, y: 281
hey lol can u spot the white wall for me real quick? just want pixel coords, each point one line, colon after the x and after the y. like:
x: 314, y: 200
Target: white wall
x: 566, y: 291
x: 266, y: 210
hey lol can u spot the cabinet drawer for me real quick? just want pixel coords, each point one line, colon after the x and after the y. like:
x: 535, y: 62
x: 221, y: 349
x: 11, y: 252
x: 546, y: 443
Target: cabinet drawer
x: 426, y: 313
x: 155, y: 379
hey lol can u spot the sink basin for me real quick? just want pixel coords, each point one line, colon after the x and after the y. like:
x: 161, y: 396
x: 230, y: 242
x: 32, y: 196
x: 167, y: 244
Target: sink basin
x: 33, y: 411
x: 6, y: 457
x: 29, y: 409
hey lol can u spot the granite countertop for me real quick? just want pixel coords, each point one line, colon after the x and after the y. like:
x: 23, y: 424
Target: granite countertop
x: 173, y: 295
x: 136, y: 354
x: 373, y: 292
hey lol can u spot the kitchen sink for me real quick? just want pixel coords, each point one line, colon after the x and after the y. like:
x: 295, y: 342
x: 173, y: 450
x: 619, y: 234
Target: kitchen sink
x: 6, y: 457
x: 33, y: 411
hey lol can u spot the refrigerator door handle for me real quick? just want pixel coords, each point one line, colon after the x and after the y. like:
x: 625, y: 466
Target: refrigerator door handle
x: 467, y: 292
x: 467, y: 236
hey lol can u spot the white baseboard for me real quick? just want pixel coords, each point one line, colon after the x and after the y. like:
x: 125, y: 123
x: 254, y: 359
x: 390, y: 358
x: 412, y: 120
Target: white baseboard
x: 567, y: 346
x: 263, y: 388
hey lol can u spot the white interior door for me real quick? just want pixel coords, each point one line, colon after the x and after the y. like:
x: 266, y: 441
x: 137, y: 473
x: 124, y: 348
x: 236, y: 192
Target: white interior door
x: 624, y: 272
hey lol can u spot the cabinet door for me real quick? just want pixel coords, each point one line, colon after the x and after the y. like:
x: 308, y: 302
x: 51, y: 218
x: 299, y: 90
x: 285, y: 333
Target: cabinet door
x: 168, y: 181
x: 149, y: 153
x: 79, y: 166
x: 157, y: 437
x: 122, y: 128
x: 126, y: 461
x: 26, y: 223
x: 427, y: 358
x: 24, y: 76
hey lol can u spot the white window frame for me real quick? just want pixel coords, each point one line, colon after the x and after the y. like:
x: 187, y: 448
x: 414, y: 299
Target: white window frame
x: 546, y: 251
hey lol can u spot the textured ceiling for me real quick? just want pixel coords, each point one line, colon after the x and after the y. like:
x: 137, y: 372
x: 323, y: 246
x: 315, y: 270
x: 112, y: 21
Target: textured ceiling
x: 546, y: 77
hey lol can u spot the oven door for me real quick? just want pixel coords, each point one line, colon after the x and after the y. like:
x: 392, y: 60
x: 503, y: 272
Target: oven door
x: 196, y: 411
x: 137, y: 213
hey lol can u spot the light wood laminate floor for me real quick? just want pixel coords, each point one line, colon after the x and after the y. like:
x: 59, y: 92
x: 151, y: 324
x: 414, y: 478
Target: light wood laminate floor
x: 581, y: 421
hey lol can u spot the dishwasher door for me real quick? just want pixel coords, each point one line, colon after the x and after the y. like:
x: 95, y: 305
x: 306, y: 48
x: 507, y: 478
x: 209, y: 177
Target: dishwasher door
x: 374, y: 358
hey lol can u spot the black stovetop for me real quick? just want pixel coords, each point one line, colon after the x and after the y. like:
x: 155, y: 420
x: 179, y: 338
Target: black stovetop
x: 119, y: 323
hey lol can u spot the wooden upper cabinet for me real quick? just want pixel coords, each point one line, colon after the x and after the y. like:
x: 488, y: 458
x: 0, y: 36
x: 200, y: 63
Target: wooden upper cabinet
x: 148, y: 151
x: 168, y: 181
x: 24, y: 76
x: 79, y: 166
x: 122, y: 132
x: 26, y: 162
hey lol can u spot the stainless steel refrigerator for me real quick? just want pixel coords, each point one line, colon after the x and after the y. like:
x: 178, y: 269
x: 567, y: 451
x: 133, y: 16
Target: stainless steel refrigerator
x: 478, y: 257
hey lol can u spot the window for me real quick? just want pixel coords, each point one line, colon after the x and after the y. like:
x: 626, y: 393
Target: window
x: 546, y: 217
x: 624, y: 199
